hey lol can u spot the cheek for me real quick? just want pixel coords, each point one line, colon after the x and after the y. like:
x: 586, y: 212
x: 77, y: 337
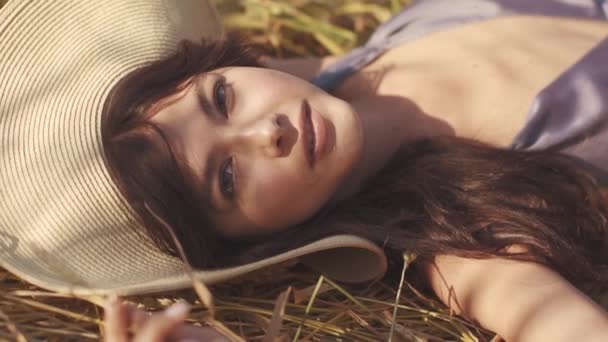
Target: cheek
x: 279, y: 199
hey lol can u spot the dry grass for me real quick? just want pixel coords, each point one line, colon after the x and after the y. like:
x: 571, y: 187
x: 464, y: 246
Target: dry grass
x: 307, y: 27
x: 315, y: 308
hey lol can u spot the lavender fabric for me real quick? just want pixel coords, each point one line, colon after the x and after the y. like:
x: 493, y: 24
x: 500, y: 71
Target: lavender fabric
x: 570, y: 115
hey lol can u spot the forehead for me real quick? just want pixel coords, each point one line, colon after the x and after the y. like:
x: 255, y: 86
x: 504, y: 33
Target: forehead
x: 182, y: 123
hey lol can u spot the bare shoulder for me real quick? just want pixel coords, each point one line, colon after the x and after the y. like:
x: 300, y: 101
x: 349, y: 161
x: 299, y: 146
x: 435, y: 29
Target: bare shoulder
x: 521, y: 301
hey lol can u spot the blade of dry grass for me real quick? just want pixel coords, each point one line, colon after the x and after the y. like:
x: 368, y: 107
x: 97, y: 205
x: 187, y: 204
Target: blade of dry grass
x: 407, y: 259
x: 12, y: 328
x: 313, y: 296
x: 352, y: 8
x: 53, y: 309
x: 276, y: 321
x: 201, y: 290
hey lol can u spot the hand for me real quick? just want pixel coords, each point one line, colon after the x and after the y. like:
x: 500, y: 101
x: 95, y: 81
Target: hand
x: 125, y: 322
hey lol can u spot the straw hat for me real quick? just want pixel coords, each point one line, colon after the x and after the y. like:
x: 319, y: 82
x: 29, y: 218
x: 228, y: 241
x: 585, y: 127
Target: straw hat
x: 64, y: 225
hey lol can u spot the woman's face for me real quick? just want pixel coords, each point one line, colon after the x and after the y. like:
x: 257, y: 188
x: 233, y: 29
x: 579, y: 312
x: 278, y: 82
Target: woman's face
x: 268, y: 149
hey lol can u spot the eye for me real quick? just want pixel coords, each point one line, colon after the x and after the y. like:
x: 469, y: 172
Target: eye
x: 227, y: 178
x: 219, y: 96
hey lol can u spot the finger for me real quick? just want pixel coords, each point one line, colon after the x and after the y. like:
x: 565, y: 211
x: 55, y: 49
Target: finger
x: 160, y: 325
x: 136, y: 317
x: 116, y: 321
x: 139, y: 318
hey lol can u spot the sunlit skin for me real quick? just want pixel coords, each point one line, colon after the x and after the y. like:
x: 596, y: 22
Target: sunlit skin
x: 251, y: 131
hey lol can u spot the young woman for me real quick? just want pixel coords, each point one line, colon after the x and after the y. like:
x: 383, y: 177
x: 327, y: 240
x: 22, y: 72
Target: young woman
x: 466, y: 134
x: 419, y: 149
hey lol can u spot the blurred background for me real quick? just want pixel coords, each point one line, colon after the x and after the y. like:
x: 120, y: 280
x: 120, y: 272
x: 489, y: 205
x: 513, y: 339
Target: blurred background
x: 287, y: 28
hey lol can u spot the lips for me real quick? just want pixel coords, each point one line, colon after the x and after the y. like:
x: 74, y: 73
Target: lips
x: 308, y: 133
x: 314, y: 133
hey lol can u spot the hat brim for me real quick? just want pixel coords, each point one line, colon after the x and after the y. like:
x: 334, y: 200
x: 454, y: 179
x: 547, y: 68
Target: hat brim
x: 344, y: 258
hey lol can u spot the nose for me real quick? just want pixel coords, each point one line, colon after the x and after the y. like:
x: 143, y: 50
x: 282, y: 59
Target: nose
x: 267, y: 135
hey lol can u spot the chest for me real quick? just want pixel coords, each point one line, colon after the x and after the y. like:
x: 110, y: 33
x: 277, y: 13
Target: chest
x: 481, y: 78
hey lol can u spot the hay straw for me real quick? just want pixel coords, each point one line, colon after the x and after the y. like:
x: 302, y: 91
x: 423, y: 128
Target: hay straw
x: 338, y: 312
x: 407, y: 259
x: 246, y: 307
x: 313, y: 296
x: 278, y: 314
x: 12, y: 327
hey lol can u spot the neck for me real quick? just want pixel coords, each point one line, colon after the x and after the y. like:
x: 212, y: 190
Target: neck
x: 388, y: 122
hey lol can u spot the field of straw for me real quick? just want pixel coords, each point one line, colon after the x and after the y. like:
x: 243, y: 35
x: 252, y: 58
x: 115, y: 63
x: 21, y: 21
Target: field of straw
x: 286, y: 305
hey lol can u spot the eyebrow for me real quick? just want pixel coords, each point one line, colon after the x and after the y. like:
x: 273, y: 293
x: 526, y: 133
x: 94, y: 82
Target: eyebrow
x: 201, y: 96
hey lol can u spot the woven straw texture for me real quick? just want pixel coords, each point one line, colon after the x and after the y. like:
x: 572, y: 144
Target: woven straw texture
x: 64, y: 225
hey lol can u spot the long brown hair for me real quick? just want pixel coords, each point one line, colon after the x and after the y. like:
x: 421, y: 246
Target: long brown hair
x: 145, y: 167
x: 436, y: 196
x: 453, y: 196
